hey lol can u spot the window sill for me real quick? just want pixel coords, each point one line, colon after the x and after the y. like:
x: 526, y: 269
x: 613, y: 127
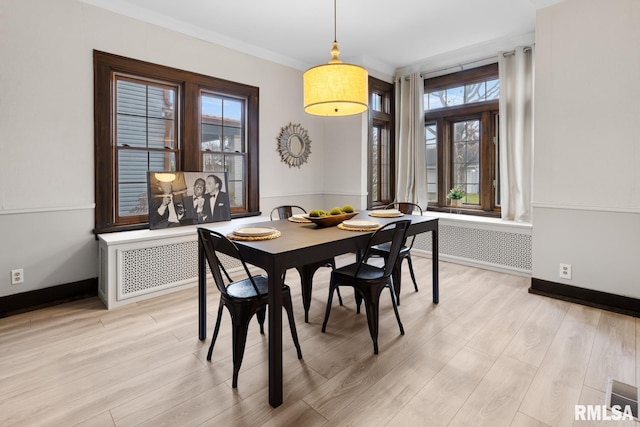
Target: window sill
x: 134, y: 236
x: 476, y: 221
x: 145, y: 226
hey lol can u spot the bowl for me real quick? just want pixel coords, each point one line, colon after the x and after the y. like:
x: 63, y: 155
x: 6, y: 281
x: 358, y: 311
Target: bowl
x: 330, y: 220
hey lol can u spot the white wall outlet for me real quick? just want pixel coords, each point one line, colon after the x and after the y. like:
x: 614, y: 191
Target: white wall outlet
x: 17, y: 276
x: 565, y: 271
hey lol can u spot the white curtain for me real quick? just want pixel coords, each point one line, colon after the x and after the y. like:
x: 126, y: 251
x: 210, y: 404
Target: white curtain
x: 410, y: 144
x: 516, y: 133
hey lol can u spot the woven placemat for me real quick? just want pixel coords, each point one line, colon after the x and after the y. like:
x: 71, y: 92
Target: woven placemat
x: 275, y: 235
x: 345, y: 227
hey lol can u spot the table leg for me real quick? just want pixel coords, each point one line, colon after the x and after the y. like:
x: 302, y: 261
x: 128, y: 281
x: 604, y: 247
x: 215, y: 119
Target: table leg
x: 434, y: 262
x: 306, y: 279
x: 275, y: 335
x: 202, y: 293
x: 307, y: 272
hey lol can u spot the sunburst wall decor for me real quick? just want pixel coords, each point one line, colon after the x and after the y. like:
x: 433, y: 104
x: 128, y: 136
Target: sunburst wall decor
x: 294, y: 145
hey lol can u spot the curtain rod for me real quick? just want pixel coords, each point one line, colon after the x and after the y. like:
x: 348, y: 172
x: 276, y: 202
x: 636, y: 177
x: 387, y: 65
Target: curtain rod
x: 463, y: 66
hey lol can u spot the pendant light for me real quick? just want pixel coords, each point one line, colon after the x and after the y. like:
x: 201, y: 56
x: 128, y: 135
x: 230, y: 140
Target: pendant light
x: 335, y: 88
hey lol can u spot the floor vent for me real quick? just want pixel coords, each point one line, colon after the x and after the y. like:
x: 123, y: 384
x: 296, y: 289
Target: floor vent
x: 622, y: 395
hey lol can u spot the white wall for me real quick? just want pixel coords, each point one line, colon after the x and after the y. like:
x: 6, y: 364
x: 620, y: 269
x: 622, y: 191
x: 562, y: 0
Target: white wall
x: 587, y: 145
x: 345, y: 160
x: 46, y: 128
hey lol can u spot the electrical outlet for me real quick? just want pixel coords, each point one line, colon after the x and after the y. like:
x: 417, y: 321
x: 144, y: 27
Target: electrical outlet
x: 17, y: 276
x: 565, y: 271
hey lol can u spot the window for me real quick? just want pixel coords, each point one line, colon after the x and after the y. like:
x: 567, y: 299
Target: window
x: 381, y: 184
x: 151, y: 118
x: 222, y: 142
x: 461, y: 116
x: 146, y: 129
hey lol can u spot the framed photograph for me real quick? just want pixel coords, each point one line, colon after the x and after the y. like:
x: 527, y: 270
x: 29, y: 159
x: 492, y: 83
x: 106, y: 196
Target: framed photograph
x: 187, y: 198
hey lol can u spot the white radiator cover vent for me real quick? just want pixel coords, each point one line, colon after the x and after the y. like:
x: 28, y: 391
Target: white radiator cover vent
x: 507, y: 250
x: 149, y: 268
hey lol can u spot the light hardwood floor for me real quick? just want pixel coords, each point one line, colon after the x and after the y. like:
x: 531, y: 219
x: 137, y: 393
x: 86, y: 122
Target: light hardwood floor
x: 490, y: 354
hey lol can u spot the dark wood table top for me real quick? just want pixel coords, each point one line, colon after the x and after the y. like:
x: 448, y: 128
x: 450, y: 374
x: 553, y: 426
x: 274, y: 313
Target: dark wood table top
x: 302, y: 243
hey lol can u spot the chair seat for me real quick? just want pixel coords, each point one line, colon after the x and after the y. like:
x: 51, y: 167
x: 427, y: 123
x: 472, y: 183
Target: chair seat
x: 244, y: 289
x: 348, y: 273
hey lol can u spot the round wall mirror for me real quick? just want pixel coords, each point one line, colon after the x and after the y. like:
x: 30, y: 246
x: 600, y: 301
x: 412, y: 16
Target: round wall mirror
x: 294, y: 145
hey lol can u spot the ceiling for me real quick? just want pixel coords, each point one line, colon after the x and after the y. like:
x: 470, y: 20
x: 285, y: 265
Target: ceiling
x: 375, y: 33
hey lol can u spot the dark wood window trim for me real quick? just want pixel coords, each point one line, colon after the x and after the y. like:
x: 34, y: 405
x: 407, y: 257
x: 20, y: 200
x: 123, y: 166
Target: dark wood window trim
x: 473, y: 75
x: 384, y: 119
x: 486, y: 112
x: 188, y: 141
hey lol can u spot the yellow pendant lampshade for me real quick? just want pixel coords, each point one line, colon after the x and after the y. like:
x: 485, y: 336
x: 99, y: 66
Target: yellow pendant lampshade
x: 335, y: 88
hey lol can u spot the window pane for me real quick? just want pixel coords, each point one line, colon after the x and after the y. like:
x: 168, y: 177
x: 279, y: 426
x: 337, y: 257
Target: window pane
x: 236, y: 194
x: 132, y: 166
x: 162, y: 161
x: 156, y: 102
x: 211, y: 137
x: 234, y: 166
x: 133, y: 199
x: 455, y: 96
x: 375, y: 148
x: 131, y: 131
x: 145, y: 115
x: 488, y: 90
x: 235, y: 178
x: 493, y: 89
x: 376, y: 102
x: 466, y: 157
x: 213, y: 162
x: 211, y: 107
x: 132, y: 181
x: 437, y: 99
x: 160, y: 135
x: 131, y: 98
x: 223, y: 133
x: 432, y: 162
x: 474, y: 93
x: 232, y: 137
x: 497, y: 160
x: 385, y: 167
x: 232, y: 110
x: 132, y: 178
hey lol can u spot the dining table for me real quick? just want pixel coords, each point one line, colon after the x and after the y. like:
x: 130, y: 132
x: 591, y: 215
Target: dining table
x: 299, y: 244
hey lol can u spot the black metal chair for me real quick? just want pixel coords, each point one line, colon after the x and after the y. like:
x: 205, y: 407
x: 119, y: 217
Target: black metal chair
x: 382, y: 250
x: 243, y: 298
x: 287, y: 211
x: 369, y: 281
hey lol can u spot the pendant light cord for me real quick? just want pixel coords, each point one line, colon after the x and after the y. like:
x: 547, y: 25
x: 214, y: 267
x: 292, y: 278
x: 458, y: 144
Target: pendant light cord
x: 335, y: 22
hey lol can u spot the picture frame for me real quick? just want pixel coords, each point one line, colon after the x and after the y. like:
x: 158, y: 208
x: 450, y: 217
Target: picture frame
x: 187, y: 198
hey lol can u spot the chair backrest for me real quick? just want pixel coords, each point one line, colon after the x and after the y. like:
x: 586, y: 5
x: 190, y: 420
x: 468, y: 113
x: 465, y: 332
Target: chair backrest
x: 400, y: 229
x: 407, y: 208
x: 285, y: 211
x: 214, y: 242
